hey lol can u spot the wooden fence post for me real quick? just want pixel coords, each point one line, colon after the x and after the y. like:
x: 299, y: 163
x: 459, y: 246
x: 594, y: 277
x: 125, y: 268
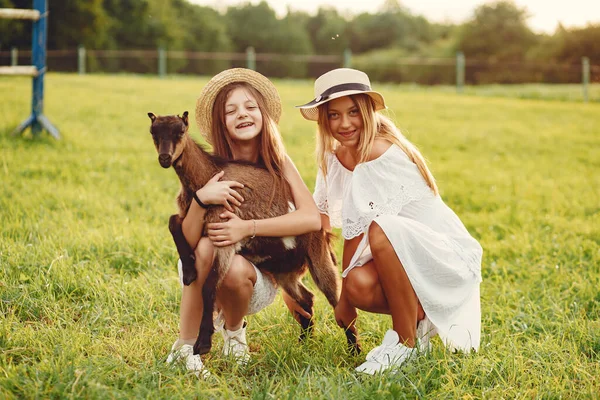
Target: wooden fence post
x: 460, y: 71
x: 251, y: 58
x: 14, y: 57
x: 585, y: 66
x: 81, y: 60
x: 162, y: 62
x: 347, y: 58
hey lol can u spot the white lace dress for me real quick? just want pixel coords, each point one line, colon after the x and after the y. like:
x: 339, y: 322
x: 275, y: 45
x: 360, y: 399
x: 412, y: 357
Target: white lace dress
x: 441, y: 259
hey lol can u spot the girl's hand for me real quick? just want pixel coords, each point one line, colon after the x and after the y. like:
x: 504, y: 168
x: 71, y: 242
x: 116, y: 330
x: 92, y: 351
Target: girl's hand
x: 295, y: 309
x: 229, y: 232
x: 345, y: 314
x: 220, y: 192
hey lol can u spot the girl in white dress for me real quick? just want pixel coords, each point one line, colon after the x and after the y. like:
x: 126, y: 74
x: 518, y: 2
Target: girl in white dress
x: 406, y: 253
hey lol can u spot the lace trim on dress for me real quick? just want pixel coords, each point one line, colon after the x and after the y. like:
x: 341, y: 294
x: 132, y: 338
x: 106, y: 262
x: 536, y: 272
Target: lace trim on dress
x: 320, y: 195
x: 357, y: 221
x: 329, y: 194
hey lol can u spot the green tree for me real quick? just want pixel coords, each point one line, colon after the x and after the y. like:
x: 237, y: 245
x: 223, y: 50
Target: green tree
x: 70, y: 22
x: 252, y: 26
x: 74, y: 22
x: 129, y: 25
x: 204, y: 29
x: 499, y: 31
x: 328, y: 31
x: 14, y: 33
x: 572, y: 44
x: 392, y: 27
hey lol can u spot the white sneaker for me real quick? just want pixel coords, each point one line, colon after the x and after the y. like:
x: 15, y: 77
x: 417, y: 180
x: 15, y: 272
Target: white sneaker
x: 390, y: 354
x: 235, y: 345
x: 193, y: 362
x: 425, y: 331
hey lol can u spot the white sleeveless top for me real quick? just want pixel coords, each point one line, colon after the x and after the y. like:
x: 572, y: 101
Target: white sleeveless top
x: 441, y: 259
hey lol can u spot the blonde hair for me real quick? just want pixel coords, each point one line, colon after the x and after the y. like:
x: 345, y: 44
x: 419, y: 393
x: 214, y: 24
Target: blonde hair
x: 375, y: 126
x: 271, y: 151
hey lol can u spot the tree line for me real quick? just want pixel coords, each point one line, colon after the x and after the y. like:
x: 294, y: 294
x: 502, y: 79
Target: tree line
x: 496, y: 34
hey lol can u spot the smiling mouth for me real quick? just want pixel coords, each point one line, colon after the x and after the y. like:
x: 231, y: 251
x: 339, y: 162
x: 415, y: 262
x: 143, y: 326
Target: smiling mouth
x: 346, y: 134
x: 244, y: 125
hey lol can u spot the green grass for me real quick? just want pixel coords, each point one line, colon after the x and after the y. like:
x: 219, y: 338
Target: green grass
x: 531, y: 91
x: 88, y: 285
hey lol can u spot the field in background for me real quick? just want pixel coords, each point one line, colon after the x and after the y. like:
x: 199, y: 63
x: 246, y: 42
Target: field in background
x: 88, y: 285
x: 531, y: 91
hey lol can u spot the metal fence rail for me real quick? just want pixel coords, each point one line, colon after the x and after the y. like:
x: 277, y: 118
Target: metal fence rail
x: 458, y: 71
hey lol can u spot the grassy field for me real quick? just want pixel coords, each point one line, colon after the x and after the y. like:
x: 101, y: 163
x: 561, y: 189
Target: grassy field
x: 88, y: 284
x: 530, y: 91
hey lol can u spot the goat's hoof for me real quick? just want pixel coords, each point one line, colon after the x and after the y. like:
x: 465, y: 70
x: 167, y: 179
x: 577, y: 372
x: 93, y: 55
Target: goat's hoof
x: 305, y: 333
x: 352, y: 340
x: 202, y: 348
x: 354, y: 348
x: 189, y: 278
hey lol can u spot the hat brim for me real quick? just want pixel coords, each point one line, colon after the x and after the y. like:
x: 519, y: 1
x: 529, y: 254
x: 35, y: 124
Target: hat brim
x: 310, y: 110
x: 206, y: 99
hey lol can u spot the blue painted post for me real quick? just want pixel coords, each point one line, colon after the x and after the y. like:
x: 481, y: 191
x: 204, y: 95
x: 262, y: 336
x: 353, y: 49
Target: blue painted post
x: 37, y: 120
x: 14, y: 57
x: 38, y: 59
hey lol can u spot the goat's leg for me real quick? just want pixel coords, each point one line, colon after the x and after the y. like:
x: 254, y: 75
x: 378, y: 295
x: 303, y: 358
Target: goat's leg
x: 186, y: 253
x: 207, y: 328
x: 221, y: 263
x: 323, y: 269
x: 296, y: 290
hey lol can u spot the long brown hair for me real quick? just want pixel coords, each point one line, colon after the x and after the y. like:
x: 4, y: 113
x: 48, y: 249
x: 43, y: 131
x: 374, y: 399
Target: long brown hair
x: 375, y: 126
x: 271, y: 152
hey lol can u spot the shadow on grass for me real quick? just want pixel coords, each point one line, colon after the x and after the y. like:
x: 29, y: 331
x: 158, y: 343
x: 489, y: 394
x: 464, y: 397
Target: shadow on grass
x: 26, y: 139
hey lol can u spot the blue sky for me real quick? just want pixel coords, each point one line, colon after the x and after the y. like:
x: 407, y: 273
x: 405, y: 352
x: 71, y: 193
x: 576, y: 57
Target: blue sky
x: 544, y: 14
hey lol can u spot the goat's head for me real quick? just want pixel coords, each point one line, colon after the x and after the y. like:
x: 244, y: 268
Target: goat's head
x: 168, y: 133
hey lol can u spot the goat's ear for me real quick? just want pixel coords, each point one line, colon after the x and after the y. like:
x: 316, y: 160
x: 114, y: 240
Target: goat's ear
x: 152, y: 116
x: 185, y: 118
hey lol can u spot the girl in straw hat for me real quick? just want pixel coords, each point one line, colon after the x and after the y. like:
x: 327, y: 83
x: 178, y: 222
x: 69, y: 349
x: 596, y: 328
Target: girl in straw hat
x: 406, y: 253
x: 237, y: 112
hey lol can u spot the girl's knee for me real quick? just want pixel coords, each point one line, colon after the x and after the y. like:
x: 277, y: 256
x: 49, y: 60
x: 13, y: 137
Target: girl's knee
x: 359, y: 286
x: 239, y: 274
x: 204, y: 252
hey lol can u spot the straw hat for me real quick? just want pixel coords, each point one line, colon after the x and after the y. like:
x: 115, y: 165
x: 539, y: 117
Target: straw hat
x: 339, y: 83
x: 206, y: 100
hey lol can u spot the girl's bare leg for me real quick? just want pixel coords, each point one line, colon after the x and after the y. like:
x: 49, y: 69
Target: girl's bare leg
x: 382, y: 286
x: 235, y: 292
x: 191, y: 308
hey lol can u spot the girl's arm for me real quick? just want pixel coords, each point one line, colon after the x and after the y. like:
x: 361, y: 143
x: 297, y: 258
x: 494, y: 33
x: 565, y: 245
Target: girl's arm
x: 214, y: 192
x: 304, y: 219
x: 193, y: 223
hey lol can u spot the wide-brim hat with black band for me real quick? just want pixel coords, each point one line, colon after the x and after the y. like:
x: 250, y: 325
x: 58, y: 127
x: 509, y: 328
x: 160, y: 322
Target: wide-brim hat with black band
x: 339, y: 83
x: 206, y: 100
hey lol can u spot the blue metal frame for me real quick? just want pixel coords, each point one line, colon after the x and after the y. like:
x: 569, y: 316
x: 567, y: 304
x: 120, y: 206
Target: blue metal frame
x: 37, y: 120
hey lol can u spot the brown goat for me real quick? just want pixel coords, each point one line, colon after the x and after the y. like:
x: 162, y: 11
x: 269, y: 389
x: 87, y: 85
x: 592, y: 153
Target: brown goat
x: 287, y: 259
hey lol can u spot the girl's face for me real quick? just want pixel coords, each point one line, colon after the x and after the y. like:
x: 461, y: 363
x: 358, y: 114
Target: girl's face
x: 243, y: 118
x: 345, y: 121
